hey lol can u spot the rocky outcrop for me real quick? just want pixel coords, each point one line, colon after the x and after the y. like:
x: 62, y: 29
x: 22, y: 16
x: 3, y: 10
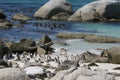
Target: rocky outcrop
x: 89, y: 37
x: 113, y: 54
x: 5, y: 25
x: 82, y: 73
x: 13, y: 74
x: 90, y: 57
x: 46, y: 40
x: 53, y: 7
x: 102, y: 10
x: 23, y: 45
x: 21, y: 17
x: 45, y: 45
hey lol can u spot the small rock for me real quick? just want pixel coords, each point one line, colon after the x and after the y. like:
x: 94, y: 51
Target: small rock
x: 45, y: 40
x: 21, y: 17
x: 5, y: 25
x: 41, y: 50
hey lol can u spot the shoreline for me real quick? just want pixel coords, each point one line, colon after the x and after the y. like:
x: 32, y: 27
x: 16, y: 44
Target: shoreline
x: 90, y: 55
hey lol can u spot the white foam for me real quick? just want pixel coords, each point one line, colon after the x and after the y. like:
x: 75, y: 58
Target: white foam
x: 95, y: 51
x: 34, y: 70
x: 74, y: 40
x: 77, y: 46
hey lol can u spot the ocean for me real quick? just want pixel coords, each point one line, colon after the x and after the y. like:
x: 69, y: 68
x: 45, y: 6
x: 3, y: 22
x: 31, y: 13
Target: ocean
x: 28, y: 7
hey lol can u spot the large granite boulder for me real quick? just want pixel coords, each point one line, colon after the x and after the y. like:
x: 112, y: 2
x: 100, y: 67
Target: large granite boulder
x: 21, y: 17
x: 13, y: 74
x: 102, y: 10
x: 82, y: 73
x: 113, y: 55
x: 53, y: 7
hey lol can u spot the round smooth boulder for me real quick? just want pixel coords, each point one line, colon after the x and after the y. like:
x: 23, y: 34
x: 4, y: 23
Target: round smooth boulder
x: 53, y: 7
x: 13, y: 74
x: 102, y: 10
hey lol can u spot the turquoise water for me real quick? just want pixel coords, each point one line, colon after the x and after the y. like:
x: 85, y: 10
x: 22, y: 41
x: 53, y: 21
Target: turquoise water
x: 75, y: 3
x: 79, y: 46
x: 106, y: 29
x: 33, y: 32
